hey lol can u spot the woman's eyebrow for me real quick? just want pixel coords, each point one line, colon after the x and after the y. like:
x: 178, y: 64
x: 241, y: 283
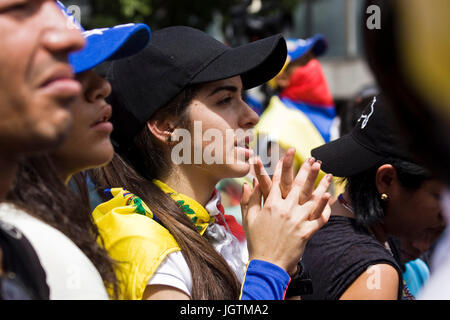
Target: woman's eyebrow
x: 223, y: 88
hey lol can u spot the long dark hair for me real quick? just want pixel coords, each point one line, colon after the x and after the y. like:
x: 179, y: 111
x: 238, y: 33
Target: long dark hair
x: 149, y: 159
x: 39, y: 190
x: 366, y: 200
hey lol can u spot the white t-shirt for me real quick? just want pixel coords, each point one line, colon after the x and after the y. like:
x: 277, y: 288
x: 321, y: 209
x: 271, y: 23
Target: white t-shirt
x: 438, y: 285
x: 70, y: 274
x: 174, y: 271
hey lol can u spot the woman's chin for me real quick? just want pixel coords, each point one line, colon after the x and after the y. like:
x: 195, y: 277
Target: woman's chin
x: 237, y: 170
x: 100, y: 158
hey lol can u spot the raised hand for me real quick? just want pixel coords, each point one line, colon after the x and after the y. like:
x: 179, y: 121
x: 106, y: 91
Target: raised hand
x: 308, y: 173
x: 278, y: 231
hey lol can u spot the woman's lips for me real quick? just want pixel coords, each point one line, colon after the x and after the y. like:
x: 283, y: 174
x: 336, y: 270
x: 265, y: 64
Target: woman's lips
x: 102, y: 122
x: 248, y: 153
x: 104, y: 126
x: 243, y: 146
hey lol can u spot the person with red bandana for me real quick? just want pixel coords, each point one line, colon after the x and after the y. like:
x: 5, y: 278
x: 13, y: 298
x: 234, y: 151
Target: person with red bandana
x: 302, y: 114
x: 302, y: 84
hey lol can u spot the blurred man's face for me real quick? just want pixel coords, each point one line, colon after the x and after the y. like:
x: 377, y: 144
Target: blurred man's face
x: 36, y: 82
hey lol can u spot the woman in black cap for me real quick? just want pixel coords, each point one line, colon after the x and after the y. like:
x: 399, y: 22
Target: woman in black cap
x: 387, y: 195
x: 162, y: 215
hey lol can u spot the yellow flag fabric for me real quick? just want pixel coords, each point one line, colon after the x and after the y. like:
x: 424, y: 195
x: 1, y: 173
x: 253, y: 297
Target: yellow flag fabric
x: 193, y: 210
x: 137, y: 243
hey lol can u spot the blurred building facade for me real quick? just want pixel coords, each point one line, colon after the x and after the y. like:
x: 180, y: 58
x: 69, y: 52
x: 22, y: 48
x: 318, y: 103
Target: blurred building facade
x: 339, y: 21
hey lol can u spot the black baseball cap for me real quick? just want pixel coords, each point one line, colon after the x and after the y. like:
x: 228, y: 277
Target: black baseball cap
x: 375, y: 138
x: 177, y: 57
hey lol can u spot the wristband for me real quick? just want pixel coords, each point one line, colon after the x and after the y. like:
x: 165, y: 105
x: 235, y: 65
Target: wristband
x: 301, y: 284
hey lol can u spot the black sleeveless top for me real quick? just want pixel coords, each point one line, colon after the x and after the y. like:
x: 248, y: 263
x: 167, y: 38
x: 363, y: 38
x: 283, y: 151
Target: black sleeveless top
x: 339, y: 253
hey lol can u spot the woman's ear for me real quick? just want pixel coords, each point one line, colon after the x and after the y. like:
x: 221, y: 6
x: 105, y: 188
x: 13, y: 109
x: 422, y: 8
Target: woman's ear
x: 386, y: 179
x: 162, y: 129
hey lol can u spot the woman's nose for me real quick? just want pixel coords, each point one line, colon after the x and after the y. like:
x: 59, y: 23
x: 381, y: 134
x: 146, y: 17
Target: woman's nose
x: 100, y: 88
x: 249, y: 118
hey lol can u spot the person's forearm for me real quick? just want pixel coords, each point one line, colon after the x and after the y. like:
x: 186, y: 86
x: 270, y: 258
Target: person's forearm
x: 264, y: 281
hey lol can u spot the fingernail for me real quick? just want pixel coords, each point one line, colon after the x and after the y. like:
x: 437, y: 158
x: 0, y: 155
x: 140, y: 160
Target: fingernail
x: 329, y: 177
x: 319, y: 162
x: 311, y: 161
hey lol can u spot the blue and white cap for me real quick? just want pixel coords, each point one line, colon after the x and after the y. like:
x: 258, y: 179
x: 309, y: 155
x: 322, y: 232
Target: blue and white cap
x: 107, y: 43
x: 297, y: 48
